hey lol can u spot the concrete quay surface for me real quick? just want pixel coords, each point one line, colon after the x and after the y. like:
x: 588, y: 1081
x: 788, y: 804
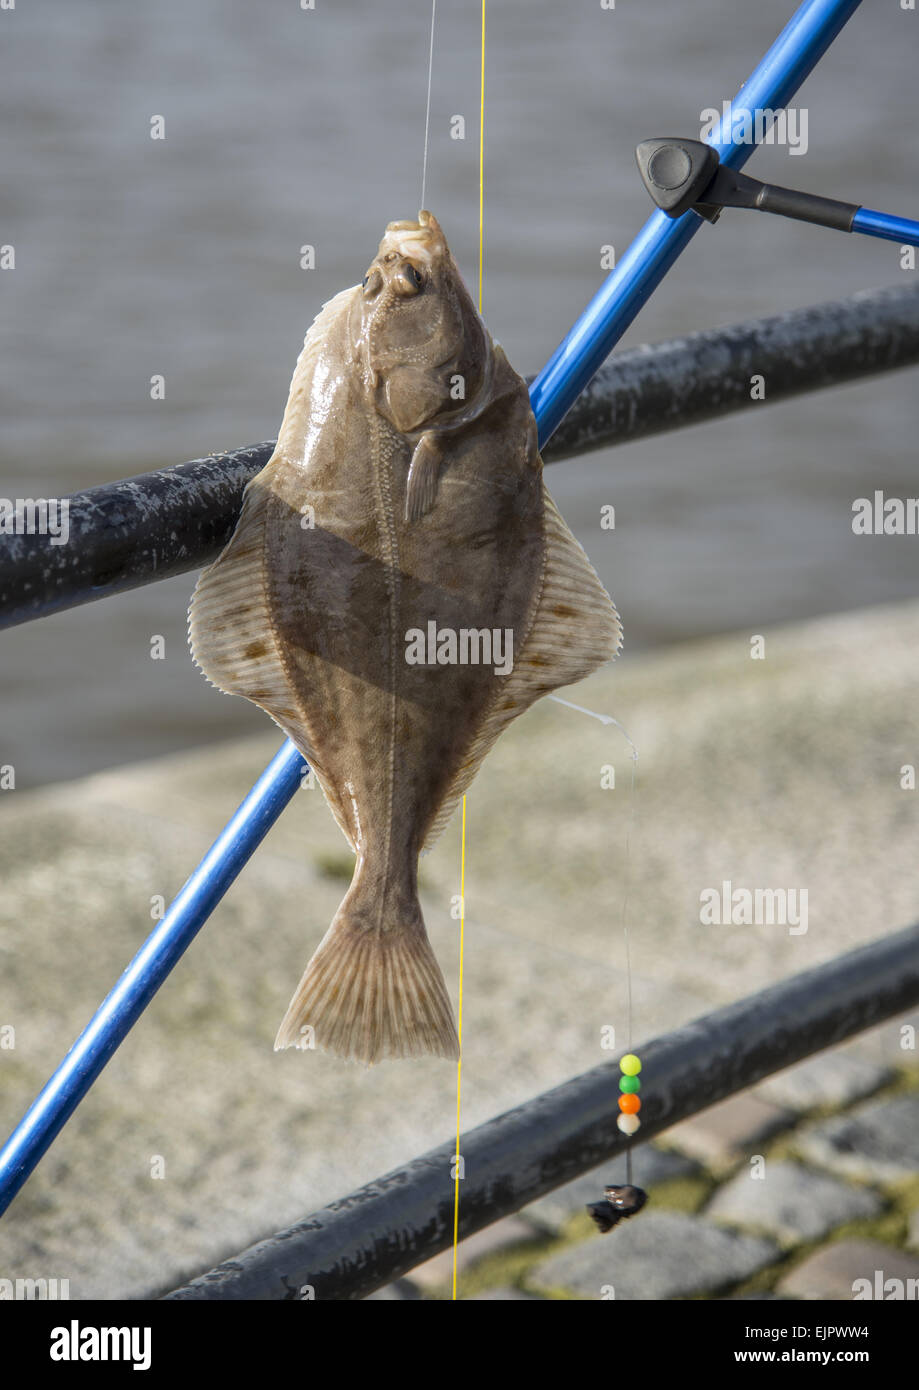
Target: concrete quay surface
x: 778, y: 773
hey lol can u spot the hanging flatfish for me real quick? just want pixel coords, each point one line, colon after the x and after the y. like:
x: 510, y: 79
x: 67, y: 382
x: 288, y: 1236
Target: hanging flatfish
x: 399, y: 587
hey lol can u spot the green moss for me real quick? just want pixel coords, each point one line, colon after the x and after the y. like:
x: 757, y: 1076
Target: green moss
x: 682, y: 1194
x: 505, y: 1268
x: 763, y: 1281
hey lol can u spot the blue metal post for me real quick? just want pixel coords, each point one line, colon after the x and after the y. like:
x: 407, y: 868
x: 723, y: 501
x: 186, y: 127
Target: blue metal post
x: 794, y: 54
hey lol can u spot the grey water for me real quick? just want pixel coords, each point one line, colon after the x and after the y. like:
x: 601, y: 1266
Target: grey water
x: 287, y: 127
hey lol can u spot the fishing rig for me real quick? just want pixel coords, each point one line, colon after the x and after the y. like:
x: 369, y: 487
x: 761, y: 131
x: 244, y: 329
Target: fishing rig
x: 369, y: 1238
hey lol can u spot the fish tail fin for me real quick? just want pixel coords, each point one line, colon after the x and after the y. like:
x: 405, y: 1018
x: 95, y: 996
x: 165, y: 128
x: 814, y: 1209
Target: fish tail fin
x: 369, y: 993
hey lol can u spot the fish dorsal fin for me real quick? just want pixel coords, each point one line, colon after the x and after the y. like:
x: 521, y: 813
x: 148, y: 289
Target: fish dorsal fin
x: 331, y: 320
x: 243, y: 656
x: 575, y: 630
x: 229, y: 621
x: 230, y: 631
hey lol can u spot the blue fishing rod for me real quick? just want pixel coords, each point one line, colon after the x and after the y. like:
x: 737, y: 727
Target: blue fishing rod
x: 788, y: 62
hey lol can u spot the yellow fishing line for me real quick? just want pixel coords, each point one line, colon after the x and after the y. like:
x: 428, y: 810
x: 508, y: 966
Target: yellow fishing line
x: 459, y: 1064
x: 482, y: 162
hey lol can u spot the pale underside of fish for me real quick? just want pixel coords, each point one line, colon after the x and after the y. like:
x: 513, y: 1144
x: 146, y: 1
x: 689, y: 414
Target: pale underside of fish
x: 405, y: 489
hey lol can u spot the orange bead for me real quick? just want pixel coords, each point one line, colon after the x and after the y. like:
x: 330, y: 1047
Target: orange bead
x: 629, y: 1105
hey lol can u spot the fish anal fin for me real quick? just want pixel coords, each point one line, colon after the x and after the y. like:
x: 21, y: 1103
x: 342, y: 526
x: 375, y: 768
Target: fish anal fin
x: 233, y: 641
x: 575, y: 630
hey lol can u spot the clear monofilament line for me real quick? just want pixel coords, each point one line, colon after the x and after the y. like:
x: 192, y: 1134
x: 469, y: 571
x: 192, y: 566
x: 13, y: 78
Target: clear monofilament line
x: 628, y: 885
x: 427, y: 111
x: 624, y: 923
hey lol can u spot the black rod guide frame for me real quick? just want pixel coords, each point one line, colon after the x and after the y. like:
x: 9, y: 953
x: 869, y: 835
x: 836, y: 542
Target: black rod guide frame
x: 682, y: 174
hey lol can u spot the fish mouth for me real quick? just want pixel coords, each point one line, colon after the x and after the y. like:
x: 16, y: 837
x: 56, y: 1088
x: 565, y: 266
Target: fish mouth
x: 419, y: 241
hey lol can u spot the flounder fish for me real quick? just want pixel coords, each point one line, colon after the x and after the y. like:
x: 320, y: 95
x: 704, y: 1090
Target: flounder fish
x: 399, y: 588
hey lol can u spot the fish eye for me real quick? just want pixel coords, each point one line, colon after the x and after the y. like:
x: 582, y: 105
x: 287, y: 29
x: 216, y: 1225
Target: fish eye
x: 408, y: 279
x: 364, y: 282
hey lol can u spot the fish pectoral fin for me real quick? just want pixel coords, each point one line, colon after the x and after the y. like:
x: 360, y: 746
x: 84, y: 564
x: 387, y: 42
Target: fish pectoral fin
x: 423, y: 475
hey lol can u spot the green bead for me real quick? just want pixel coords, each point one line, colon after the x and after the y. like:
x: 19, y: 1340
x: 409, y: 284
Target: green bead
x: 629, y: 1084
x: 630, y: 1064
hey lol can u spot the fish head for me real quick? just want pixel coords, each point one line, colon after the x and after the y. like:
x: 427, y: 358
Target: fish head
x: 416, y: 330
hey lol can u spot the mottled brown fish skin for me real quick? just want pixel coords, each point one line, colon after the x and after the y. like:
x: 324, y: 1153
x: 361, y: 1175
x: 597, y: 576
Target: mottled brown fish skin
x: 427, y: 505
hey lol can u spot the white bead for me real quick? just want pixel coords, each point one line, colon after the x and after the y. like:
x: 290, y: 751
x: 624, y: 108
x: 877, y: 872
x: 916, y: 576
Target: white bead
x: 629, y: 1123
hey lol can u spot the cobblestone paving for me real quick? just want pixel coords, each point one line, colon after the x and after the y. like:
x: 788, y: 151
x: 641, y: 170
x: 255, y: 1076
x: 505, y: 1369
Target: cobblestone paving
x: 822, y: 1204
